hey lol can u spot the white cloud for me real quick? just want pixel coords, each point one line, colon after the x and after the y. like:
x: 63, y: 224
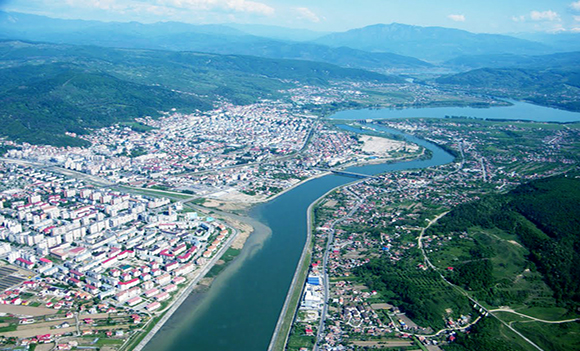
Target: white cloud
x: 518, y: 18
x: 557, y: 28
x: 576, y: 18
x: 575, y: 30
x: 161, y: 7
x: 544, y: 16
x: 457, y: 18
x: 306, y: 13
x: 249, y: 6
x: 227, y: 5
x: 575, y: 5
x: 108, y: 5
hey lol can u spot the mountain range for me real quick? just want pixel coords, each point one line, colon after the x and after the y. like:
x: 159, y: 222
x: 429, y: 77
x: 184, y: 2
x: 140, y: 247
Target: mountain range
x: 219, y: 39
x: 126, y: 70
x: 558, y: 60
x: 429, y: 43
x: 381, y: 47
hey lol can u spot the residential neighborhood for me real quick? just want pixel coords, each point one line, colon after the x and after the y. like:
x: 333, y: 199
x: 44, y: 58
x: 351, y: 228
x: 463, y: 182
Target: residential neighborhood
x: 83, y: 250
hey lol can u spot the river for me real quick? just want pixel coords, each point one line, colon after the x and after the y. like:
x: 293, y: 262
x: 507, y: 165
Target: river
x: 517, y: 111
x: 240, y: 310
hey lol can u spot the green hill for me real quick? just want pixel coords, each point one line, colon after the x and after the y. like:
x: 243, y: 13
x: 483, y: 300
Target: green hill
x: 49, y: 89
x: 559, y: 88
x: 544, y: 215
x: 42, y: 110
x: 519, y: 251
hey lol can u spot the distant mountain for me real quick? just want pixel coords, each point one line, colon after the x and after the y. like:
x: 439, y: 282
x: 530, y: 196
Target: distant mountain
x: 345, y: 57
x: 561, y: 41
x: 175, y: 36
x: 558, y: 88
x: 559, y: 60
x: 429, y: 43
x: 49, y: 89
x: 276, y: 32
x: 42, y: 28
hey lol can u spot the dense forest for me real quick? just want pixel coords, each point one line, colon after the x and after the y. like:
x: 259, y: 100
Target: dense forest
x: 545, y: 216
x: 42, y: 110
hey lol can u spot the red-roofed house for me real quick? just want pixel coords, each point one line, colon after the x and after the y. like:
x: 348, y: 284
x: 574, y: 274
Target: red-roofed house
x: 24, y: 263
x: 128, y: 284
x: 153, y: 306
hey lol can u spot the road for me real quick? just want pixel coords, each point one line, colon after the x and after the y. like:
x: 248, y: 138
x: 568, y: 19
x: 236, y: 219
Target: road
x: 326, y: 281
x: 68, y: 172
x: 293, y: 286
x: 509, y: 310
x: 461, y: 291
x: 420, y: 240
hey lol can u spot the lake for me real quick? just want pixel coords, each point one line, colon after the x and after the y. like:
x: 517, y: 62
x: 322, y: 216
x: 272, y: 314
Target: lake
x: 518, y: 111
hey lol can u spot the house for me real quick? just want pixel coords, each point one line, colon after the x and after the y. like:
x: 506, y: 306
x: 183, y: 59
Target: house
x: 151, y: 292
x: 170, y: 288
x: 128, y: 284
x: 178, y: 280
x: 45, y: 338
x: 24, y: 263
x: 134, y: 301
x: 161, y: 296
x: 171, y: 266
x: 74, y: 281
x: 153, y: 306
x: 91, y: 289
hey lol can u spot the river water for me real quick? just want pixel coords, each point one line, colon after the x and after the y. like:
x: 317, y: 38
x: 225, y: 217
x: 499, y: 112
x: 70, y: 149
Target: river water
x: 517, y: 111
x: 240, y: 310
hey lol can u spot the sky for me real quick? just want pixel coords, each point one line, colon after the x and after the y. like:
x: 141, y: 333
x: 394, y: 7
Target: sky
x: 479, y: 16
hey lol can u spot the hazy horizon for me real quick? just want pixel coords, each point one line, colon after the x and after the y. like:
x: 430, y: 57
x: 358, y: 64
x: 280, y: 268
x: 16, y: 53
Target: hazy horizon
x: 494, y: 16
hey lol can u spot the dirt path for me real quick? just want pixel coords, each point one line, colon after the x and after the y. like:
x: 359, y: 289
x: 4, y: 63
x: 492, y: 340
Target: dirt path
x: 27, y: 310
x: 509, y: 310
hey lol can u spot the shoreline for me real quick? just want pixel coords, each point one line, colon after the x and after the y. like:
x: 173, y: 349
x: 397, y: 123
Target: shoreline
x: 292, y: 291
x: 243, y: 229
x: 300, y: 269
x: 245, y: 206
x: 185, y: 293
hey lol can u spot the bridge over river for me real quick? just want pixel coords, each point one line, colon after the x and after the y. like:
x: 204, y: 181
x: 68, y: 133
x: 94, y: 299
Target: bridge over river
x: 347, y: 173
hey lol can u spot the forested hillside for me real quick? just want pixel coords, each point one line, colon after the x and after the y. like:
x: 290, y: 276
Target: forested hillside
x: 50, y: 89
x: 545, y: 217
x: 515, y: 251
x: 558, y: 88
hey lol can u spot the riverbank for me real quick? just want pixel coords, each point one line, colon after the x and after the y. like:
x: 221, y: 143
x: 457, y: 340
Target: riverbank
x: 375, y: 150
x: 241, y: 309
x: 183, y: 294
x: 292, y: 301
x: 245, y: 202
